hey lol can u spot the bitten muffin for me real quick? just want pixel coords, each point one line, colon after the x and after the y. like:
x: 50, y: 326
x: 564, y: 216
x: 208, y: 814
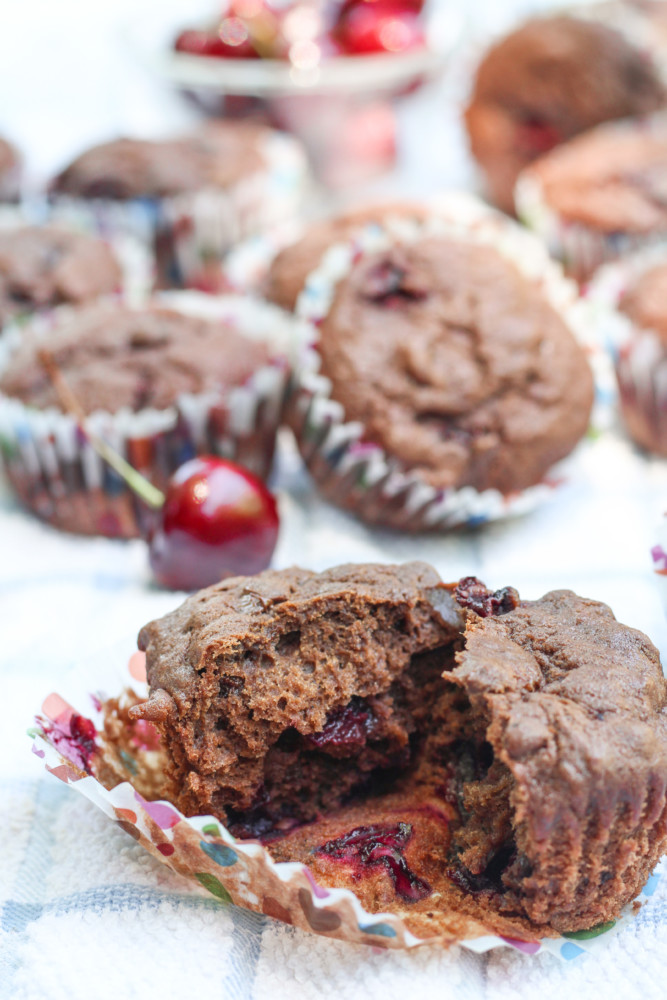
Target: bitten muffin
x: 454, y: 753
x: 194, y: 196
x: 600, y: 195
x: 43, y: 266
x: 159, y: 383
x: 291, y: 266
x: 543, y: 84
x: 455, y: 364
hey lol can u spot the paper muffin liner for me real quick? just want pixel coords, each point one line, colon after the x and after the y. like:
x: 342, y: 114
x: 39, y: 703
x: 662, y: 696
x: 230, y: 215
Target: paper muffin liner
x: 113, y: 768
x: 360, y: 476
x: 57, y: 473
x: 245, y: 269
x: 639, y: 354
x: 191, y: 232
x: 581, y: 248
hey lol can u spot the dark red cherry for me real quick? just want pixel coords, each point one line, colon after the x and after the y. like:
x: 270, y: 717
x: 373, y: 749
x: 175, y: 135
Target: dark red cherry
x: 230, y: 41
x: 537, y: 136
x: 381, y: 26
x: 218, y: 520
x: 472, y: 593
x: 380, y: 846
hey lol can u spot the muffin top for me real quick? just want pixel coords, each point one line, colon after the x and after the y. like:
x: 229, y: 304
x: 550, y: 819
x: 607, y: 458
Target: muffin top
x: 46, y: 266
x: 217, y: 155
x: 217, y: 618
x: 546, y: 82
x: 113, y: 357
x: 290, y: 268
x: 456, y: 364
x: 645, y: 300
x: 577, y: 72
x: 614, y: 178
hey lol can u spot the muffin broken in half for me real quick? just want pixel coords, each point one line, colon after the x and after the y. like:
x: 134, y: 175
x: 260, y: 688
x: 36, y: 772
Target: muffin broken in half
x: 449, y: 753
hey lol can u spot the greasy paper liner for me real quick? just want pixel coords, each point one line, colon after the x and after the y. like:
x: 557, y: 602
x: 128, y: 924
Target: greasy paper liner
x: 639, y: 354
x: 58, y: 474
x: 202, y: 850
x: 360, y: 476
x: 583, y: 249
x: 190, y: 233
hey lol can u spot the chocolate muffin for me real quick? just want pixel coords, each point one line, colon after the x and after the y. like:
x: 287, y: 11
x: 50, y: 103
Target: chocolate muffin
x: 218, y: 155
x: 447, y: 752
x: 292, y: 265
x: 544, y: 83
x: 43, y: 266
x: 632, y: 295
x: 455, y: 364
x: 115, y: 357
x: 192, y: 197
x: 160, y: 384
x: 10, y: 170
x: 600, y: 195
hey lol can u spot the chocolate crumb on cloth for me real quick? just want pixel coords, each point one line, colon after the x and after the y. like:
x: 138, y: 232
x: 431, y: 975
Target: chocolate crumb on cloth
x: 546, y: 82
x: 452, y: 755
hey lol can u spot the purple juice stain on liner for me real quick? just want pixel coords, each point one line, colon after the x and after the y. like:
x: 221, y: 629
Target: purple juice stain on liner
x: 73, y: 736
x: 368, y: 847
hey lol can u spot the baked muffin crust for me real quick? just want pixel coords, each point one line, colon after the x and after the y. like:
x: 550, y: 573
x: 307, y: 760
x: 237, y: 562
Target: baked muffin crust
x: 43, y: 266
x: 445, y: 751
x: 215, y: 156
x: 546, y: 82
x: 113, y: 356
x: 456, y: 365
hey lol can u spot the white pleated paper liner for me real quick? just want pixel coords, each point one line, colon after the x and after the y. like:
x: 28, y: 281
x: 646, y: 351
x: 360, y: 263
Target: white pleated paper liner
x: 202, y: 850
x: 581, y: 248
x: 190, y: 233
x: 57, y: 473
x: 361, y: 476
x: 639, y: 354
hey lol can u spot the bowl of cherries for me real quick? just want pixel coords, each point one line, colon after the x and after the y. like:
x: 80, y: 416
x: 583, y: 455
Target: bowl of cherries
x: 273, y: 48
x: 323, y: 69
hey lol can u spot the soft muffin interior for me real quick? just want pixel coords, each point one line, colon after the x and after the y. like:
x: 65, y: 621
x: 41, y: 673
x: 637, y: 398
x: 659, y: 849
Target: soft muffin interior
x: 400, y: 723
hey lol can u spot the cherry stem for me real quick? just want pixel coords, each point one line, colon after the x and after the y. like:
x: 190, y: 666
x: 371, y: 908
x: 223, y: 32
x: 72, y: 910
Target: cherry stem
x: 143, y: 488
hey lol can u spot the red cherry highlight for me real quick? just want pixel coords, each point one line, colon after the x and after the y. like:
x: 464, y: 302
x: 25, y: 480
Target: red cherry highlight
x: 218, y: 520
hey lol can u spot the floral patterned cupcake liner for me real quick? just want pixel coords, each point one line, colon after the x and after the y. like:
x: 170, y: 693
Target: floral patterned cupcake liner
x: 583, y: 249
x: 639, y: 354
x: 112, y: 763
x: 57, y: 473
x: 190, y: 233
x: 360, y: 476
